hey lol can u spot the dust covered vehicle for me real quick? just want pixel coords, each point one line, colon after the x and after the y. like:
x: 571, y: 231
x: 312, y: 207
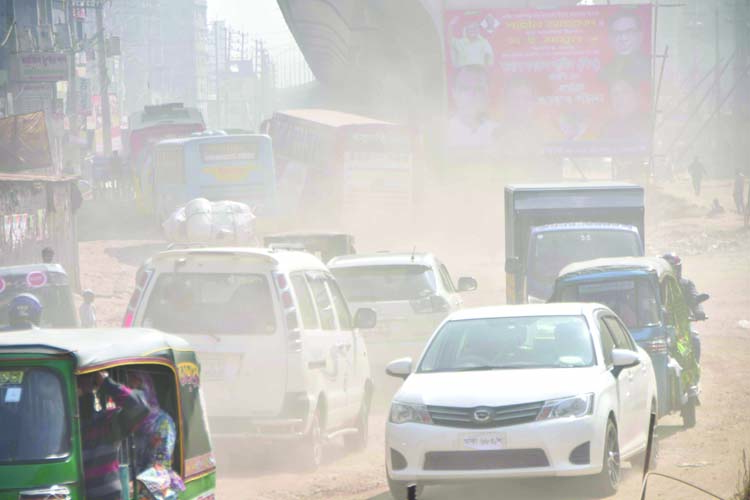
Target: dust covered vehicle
x: 41, y: 448
x: 47, y: 282
x: 283, y: 356
x: 646, y: 295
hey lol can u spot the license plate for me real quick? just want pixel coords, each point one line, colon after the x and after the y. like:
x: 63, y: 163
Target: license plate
x: 219, y: 368
x: 492, y: 441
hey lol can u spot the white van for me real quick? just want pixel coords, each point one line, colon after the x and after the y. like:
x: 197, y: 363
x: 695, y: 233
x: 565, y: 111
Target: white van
x: 281, y: 355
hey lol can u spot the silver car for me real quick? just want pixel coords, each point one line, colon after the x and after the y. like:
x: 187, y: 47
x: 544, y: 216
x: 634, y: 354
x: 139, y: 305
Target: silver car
x: 411, y: 292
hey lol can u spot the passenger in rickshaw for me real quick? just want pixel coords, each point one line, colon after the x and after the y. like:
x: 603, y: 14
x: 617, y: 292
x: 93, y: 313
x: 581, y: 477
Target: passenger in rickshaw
x: 104, y: 430
x: 155, y: 439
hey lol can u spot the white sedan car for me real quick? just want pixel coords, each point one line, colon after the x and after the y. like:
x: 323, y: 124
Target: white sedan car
x: 521, y: 391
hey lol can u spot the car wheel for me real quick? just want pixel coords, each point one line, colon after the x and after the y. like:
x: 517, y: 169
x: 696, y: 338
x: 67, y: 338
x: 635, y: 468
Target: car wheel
x: 358, y: 440
x: 608, y: 480
x: 400, y: 489
x: 312, y: 445
x: 688, y: 413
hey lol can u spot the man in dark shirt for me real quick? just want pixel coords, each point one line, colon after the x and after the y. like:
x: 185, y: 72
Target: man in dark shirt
x: 103, y: 431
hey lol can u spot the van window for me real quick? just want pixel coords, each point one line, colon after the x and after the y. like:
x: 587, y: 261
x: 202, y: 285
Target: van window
x: 211, y: 304
x: 342, y: 310
x: 305, y: 301
x: 323, y: 301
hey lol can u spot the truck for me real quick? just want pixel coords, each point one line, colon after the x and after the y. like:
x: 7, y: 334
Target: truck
x: 548, y: 226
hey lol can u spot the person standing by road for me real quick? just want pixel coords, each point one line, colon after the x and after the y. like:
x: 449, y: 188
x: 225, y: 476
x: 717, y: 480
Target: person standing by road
x: 697, y: 170
x: 739, y: 191
x: 48, y: 255
x: 87, y: 311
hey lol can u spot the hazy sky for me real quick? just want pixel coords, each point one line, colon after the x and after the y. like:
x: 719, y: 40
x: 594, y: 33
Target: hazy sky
x: 260, y: 18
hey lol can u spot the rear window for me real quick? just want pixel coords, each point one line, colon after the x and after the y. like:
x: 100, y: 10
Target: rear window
x: 211, y: 304
x: 384, y: 283
x: 58, y: 310
x: 35, y: 422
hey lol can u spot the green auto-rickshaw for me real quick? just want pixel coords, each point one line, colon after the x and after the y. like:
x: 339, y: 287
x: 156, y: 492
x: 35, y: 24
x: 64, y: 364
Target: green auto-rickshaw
x: 40, y: 438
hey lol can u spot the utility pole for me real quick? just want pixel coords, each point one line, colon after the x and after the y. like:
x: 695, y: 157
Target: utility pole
x: 216, y: 70
x: 741, y: 104
x: 101, y: 56
x: 717, y: 91
x: 73, y: 89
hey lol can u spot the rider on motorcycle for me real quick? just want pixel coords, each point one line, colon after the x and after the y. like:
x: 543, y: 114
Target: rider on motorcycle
x: 693, y: 299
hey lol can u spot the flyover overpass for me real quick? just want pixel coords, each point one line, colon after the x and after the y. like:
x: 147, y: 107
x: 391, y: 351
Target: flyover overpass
x: 383, y: 58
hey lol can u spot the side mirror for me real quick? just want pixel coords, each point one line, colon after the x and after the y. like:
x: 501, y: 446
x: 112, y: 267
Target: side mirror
x: 467, y: 284
x: 623, y: 358
x: 400, y: 368
x: 513, y: 265
x: 701, y: 298
x: 365, y: 318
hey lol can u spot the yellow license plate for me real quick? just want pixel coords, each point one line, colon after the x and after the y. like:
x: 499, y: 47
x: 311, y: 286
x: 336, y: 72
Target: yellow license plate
x: 11, y: 377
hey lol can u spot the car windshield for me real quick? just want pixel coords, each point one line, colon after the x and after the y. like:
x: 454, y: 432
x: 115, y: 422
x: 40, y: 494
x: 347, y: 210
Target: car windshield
x: 211, y: 304
x: 34, y: 419
x: 384, y: 283
x: 634, y: 301
x: 510, y: 343
x: 58, y: 310
x: 550, y: 251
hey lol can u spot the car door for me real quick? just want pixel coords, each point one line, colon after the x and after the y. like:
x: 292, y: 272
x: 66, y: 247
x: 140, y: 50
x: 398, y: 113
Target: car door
x: 638, y: 377
x: 350, y: 350
x: 329, y: 350
x: 625, y: 426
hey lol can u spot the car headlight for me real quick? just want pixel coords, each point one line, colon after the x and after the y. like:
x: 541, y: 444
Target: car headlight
x: 402, y: 413
x: 573, y: 407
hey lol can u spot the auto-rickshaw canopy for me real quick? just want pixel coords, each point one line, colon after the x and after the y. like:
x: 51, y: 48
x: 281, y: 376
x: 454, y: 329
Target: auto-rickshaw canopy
x: 97, y: 349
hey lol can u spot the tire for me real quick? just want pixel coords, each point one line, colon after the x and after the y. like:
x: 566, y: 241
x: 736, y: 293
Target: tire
x: 399, y: 489
x: 688, y: 413
x: 311, y: 448
x: 607, y: 481
x: 358, y: 441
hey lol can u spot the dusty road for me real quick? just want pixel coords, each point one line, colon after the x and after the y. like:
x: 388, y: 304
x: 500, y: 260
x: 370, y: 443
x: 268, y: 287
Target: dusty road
x: 716, y: 252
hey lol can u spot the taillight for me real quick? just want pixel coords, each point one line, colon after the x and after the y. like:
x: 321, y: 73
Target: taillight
x: 141, y: 280
x: 656, y: 346
x: 294, y: 337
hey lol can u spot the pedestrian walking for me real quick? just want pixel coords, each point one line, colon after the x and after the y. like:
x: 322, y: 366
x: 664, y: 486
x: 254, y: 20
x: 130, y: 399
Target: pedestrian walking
x: 739, y: 191
x: 697, y: 170
x: 87, y: 311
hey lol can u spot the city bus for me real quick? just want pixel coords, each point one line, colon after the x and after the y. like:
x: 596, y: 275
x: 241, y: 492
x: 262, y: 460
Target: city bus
x: 215, y: 167
x: 341, y: 168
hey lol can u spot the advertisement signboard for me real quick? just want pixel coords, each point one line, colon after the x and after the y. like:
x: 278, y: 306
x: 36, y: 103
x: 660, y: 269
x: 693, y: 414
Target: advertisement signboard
x: 566, y: 82
x: 39, y: 67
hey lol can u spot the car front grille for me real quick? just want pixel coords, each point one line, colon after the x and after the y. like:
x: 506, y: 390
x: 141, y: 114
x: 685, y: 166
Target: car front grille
x: 499, y: 416
x: 485, y: 459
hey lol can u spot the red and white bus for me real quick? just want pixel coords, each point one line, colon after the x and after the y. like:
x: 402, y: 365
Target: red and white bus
x: 345, y: 168
x: 159, y: 122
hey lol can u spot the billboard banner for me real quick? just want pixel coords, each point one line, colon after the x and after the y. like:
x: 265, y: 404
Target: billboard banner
x: 566, y: 82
